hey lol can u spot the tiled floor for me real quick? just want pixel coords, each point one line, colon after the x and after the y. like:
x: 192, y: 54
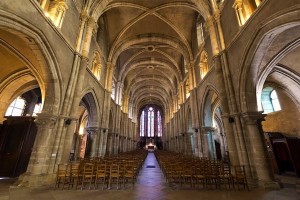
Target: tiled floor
x: 150, y: 185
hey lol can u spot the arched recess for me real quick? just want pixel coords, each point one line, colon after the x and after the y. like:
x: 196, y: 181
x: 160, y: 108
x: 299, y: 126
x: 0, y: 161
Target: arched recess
x: 89, y: 101
x: 38, y: 64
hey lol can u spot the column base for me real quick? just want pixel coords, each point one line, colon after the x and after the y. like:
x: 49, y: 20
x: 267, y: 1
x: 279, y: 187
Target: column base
x: 269, y: 185
x: 35, y: 181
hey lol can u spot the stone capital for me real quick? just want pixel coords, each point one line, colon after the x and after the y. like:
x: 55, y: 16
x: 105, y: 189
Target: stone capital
x: 92, y: 130
x: 46, y: 120
x: 206, y: 129
x: 253, y: 118
x: 209, y: 23
x: 217, y: 15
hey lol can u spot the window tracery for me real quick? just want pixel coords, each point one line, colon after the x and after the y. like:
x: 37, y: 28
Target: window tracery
x: 151, y: 122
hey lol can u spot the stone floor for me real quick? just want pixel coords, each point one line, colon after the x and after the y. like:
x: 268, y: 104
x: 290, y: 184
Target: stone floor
x: 150, y: 185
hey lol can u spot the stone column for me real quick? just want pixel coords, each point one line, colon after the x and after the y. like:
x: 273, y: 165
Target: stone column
x: 217, y: 16
x: 196, y: 130
x: 38, y: 168
x: 209, y: 24
x: 103, y: 142
x: 208, y: 142
x: 226, y: 118
x: 93, y: 132
x: 260, y: 156
x: 116, y: 144
x: 90, y: 28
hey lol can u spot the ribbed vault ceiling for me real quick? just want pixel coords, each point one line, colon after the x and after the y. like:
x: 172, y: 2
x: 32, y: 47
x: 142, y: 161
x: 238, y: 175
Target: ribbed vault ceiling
x: 150, y: 43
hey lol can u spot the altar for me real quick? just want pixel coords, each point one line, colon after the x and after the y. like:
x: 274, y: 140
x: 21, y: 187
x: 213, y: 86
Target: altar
x: 150, y: 146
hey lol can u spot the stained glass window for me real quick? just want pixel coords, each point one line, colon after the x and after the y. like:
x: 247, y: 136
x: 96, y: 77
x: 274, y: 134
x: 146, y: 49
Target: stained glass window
x: 150, y: 122
x: 142, y: 124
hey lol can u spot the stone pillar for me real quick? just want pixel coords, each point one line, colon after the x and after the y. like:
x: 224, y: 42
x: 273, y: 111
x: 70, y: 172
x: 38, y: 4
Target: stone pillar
x: 208, y: 142
x: 196, y: 138
x: 260, y: 156
x: 111, y: 143
x: 103, y: 142
x: 38, y: 168
x: 116, y: 144
x: 226, y: 118
x: 209, y: 24
x: 90, y: 28
x: 217, y: 16
x: 93, y: 132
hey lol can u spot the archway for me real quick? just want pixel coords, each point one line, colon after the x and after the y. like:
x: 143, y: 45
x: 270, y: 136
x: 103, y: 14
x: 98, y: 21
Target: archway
x: 213, y: 127
x: 86, y: 142
x: 275, y: 77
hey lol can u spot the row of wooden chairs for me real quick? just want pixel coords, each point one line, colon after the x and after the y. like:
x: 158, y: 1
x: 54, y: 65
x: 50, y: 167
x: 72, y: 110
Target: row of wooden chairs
x: 91, y: 173
x: 196, y: 172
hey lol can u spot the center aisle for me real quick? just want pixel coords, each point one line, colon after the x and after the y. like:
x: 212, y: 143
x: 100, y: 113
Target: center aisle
x: 151, y: 183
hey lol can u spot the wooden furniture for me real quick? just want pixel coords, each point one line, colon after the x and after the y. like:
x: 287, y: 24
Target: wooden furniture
x: 17, y: 137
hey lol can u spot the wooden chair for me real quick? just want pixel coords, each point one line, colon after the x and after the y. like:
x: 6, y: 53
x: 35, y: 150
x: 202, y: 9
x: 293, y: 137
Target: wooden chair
x: 62, y: 175
x: 114, y: 175
x: 187, y: 175
x: 87, y: 174
x: 101, y: 174
x: 129, y: 174
x: 199, y: 176
x: 240, y: 177
x: 225, y: 176
x: 75, y: 174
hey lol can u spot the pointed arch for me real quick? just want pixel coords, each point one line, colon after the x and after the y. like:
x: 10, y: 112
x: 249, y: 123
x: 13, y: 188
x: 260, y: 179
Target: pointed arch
x: 90, y: 102
x: 43, y: 70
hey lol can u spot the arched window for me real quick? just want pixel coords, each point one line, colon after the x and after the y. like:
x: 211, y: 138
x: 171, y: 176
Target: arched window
x: 159, y: 125
x: 142, y: 124
x: 203, y: 64
x: 269, y: 100
x: 151, y: 122
x: 96, y: 65
x: 16, y: 108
